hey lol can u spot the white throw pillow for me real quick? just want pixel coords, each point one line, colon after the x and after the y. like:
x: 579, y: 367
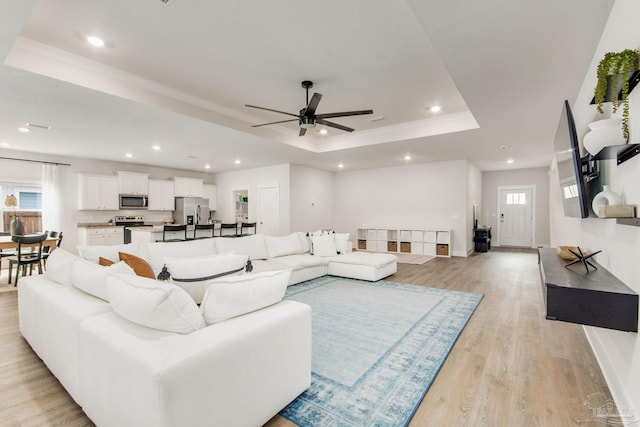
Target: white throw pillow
x: 253, y: 246
x: 235, y: 296
x: 59, y: 266
x: 341, y: 240
x: 323, y: 245
x: 305, y: 241
x: 92, y: 278
x: 283, y: 245
x: 154, y: 304
x: 193, y: 274
x: 93, y: 253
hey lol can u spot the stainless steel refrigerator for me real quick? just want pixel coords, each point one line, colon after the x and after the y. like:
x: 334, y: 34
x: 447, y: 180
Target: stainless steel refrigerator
x: 191, y: 210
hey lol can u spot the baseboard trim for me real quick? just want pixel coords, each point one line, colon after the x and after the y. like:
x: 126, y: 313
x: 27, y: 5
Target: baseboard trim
x: 616, y: 386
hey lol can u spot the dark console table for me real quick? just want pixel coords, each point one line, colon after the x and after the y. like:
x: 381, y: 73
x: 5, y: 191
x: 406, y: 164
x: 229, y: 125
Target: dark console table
x: 596, y: 298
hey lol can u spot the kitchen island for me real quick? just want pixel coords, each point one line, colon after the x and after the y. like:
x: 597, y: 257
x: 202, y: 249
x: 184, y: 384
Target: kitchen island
x: 154, y: 234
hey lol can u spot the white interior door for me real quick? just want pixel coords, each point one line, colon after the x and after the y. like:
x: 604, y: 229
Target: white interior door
x: 515, y: 219
x: 269, y: 222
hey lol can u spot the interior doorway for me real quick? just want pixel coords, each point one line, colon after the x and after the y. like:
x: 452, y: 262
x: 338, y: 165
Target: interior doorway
x: 516, y: 215
x: 269, y: 222
x: 241, y: 203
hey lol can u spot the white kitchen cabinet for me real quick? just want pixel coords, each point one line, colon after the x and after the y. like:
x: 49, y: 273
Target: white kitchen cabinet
x: 99, y: 236
x: 187, y: 187
x: 161, y: 195
x: 97, y: 192
x: 133, y: 183
x: 210, y: 192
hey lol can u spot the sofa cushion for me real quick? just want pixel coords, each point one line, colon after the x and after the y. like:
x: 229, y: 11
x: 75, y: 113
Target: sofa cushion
x: 193, y: 274
x: 93, y: 253
x: 323, y: 245
x: 157, y: 305
x: 342, y: 241
x: 92, y: 278
x: 156, y: 252
x: 234, y: 296
x: 252, y: 246
x: 283, y: 245
x: 296, y: 262
x: 59, y: 266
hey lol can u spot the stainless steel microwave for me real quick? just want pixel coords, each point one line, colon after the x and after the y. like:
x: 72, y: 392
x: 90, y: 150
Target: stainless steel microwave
x: 128, y: 201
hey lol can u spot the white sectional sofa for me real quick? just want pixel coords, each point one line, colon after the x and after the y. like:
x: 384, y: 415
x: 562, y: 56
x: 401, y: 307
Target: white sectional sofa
x: 240, y: 369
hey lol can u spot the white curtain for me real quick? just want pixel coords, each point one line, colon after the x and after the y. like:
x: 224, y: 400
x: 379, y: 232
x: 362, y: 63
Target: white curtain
x: 50, y: 198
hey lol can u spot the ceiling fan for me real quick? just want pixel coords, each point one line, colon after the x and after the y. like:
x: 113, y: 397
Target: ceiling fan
x: 307, y: 118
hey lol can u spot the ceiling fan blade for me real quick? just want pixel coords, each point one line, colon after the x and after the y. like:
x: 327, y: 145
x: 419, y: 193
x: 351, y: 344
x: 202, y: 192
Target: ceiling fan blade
x: 333, y: 125
x: 343, y: 114
x: 269, y: 109
x: 273, y: 123
x: 313, y: 104
x: 302, y: 131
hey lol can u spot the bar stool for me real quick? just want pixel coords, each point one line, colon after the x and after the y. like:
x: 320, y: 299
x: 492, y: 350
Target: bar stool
x: 231, y: 226
x: 202, y: 227
x: 249, y: 226
x: 174, y: 228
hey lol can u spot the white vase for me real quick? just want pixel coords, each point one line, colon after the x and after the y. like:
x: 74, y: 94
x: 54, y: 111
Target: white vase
x: 605, y: 197
x: 603, y: 134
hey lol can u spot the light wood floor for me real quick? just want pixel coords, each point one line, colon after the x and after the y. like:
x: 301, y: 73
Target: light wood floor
x: 510, y: 366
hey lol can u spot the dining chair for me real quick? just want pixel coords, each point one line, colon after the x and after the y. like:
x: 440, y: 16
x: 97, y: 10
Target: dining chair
x: 169, y: 228
x: 6, y: 253
x: 25, y: 256
x: 46, y: 250
x: 208, y: 227
x: 230, y: 226
x: 248, y: 226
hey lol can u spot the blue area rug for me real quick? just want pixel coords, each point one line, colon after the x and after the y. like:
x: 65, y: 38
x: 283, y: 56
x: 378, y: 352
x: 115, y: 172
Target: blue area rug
x: 377, y: 347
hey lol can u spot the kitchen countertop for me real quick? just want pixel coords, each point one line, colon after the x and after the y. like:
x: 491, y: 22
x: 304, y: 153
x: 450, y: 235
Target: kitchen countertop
x: 96, y: 225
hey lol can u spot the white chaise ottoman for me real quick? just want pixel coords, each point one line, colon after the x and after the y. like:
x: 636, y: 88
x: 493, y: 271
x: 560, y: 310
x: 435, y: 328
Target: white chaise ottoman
x: 363, y: 265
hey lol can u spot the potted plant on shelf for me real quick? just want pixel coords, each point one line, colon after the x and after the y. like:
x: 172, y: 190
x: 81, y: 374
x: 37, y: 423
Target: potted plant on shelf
x: 613, y: 71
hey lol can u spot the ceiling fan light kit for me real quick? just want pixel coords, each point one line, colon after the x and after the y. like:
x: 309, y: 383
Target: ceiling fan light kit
x: 307, y: 117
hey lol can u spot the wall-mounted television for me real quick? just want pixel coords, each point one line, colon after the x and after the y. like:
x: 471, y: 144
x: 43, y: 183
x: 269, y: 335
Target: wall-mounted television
x: 579, y: 177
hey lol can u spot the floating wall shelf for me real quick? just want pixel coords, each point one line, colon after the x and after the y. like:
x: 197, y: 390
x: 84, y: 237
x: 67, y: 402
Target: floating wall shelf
x: 634, y: 79
x: 628, y: 221
x: 621, y: 153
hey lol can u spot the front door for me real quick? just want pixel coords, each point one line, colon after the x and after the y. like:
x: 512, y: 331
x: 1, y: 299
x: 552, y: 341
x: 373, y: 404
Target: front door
x: 515, y: 221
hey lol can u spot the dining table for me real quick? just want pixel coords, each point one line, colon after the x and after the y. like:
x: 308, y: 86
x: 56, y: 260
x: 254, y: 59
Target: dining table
x: 7, y: 243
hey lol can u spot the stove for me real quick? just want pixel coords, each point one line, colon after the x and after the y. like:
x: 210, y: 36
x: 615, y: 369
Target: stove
x: 130, y: 222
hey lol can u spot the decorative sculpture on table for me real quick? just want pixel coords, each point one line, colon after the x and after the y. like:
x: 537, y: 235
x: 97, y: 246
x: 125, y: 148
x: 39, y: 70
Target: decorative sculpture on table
x: 581, y: 257
x: 16, y: 227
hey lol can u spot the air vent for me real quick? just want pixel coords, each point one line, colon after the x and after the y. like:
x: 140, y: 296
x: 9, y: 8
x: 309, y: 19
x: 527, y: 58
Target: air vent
x: 34, y: 125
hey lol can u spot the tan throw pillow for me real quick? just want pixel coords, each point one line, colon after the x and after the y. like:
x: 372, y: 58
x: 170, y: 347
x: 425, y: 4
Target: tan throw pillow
x: 140, y: 266
x: 105, y: 262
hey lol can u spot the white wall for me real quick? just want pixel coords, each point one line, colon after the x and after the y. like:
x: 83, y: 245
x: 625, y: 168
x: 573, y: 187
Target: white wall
x: 533, y: 176
x: 474, y: 197
x: 617, y: 352
x: 424, y: 195
x: 70, y: 216
x: 312, y: 201
x: 252, y: 179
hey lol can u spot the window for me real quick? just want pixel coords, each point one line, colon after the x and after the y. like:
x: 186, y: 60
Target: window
x: 516, y: 198
x: 29, y: 200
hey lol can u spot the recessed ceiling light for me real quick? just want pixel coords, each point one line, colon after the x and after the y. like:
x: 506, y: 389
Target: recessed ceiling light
x: 509, y: 161
x: 156, y: 148
x: 128, y: 155
x: 323, y: 131
x: 24, y: 129
x: 340, y: 166
x: 207, y: 166
x: 407, y: 157
x: 436, y: 109
x: 376, y: 119
x: 95, y: 41
x: 5, y: 144
x: 237, y: 161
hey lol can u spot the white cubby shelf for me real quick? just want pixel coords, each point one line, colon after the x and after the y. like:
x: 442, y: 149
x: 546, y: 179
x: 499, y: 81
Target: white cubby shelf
x: 411, y: 240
